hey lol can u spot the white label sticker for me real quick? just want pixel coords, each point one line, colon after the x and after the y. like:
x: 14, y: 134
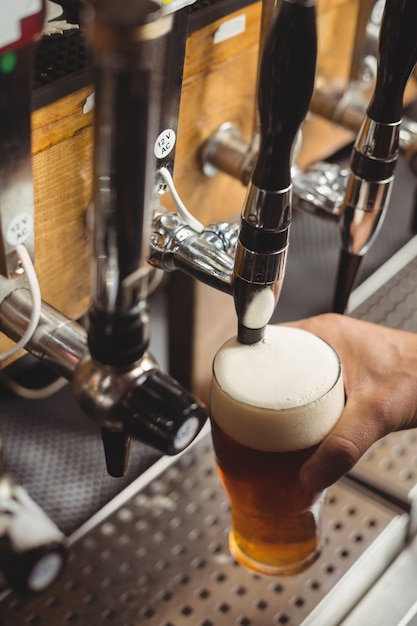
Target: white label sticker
x: 11, y: 14
x: 164, y: 143
x: 89, y: 103
x: 45, y: 571
x: 19, y: 229
x: 186, y: 433
x: 231, y: 28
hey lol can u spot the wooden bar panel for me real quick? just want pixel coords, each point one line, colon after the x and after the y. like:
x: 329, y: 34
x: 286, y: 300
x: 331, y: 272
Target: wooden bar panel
x: 62, y: 165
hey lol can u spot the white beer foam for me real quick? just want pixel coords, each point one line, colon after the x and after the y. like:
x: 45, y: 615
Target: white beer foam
x: 281, y: 394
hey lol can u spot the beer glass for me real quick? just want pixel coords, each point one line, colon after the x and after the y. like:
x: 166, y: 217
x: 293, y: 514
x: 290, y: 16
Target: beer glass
x: 272, y: 403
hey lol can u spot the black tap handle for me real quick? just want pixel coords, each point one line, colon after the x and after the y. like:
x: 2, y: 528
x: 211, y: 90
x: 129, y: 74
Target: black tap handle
x: 374, y: 155
x: 162, y: 414
x: 397, y: 57
x: 286, y: 80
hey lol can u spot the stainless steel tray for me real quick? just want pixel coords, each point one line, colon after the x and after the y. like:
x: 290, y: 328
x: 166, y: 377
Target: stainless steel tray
x: 393, y: 600
x: 158, y: 555
x: 389, y: 297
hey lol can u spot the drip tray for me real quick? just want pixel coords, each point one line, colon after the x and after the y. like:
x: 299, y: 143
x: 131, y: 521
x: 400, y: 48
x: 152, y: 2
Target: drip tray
x: 157, y: 555
x: 390, y: 468
x: 390, y: 298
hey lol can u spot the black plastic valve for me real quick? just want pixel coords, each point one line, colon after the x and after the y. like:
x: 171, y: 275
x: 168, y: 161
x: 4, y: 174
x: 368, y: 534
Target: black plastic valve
x: 162, y: 413
x: 34, y: 570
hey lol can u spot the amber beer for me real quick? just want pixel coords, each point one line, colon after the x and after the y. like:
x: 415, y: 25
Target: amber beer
x: 272, y: 403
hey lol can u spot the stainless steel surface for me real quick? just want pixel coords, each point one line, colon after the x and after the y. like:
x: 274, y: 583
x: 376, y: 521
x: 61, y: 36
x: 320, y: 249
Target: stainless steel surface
x: 378, y: 140
x: 128, y: 45
x: 207, y: 256
x: 393, y: 600
x: 100, y: 390
x: 389, y: 296
x: 266, y: 209
x: 228, y: 152
x: 58, y: 341
x: 158, y: 555
x: 390, y: 466
x: 365, y: 200
x: 320, y: 189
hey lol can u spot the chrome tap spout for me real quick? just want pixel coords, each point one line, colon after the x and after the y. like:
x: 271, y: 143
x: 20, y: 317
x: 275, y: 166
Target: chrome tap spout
x: 207, y: 256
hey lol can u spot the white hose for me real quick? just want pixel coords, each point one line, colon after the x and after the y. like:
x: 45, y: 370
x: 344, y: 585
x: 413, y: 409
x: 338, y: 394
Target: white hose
x: 180, y: 206
x: 32, y: 278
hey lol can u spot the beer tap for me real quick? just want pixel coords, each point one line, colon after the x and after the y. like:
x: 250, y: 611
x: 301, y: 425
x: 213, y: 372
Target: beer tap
x: 286, y: 81
x: 117, y: 382
x: 116, y: 379
x: 248, y: 261
x: 346, y: 105
x: 374, y: 155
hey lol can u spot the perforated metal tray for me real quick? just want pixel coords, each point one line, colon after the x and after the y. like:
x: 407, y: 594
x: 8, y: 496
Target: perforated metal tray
x: 158, y: 556
x: 390, y: 466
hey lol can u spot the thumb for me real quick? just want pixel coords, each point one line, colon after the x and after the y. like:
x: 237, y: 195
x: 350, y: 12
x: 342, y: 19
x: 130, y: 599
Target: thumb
x: 342, y: 448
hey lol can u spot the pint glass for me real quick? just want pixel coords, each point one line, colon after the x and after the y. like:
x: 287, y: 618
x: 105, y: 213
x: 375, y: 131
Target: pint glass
x: 272, y: 403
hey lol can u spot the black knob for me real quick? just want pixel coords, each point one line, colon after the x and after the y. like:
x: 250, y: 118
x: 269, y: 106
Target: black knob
x: 32, y: 571
x: 161, y: 413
